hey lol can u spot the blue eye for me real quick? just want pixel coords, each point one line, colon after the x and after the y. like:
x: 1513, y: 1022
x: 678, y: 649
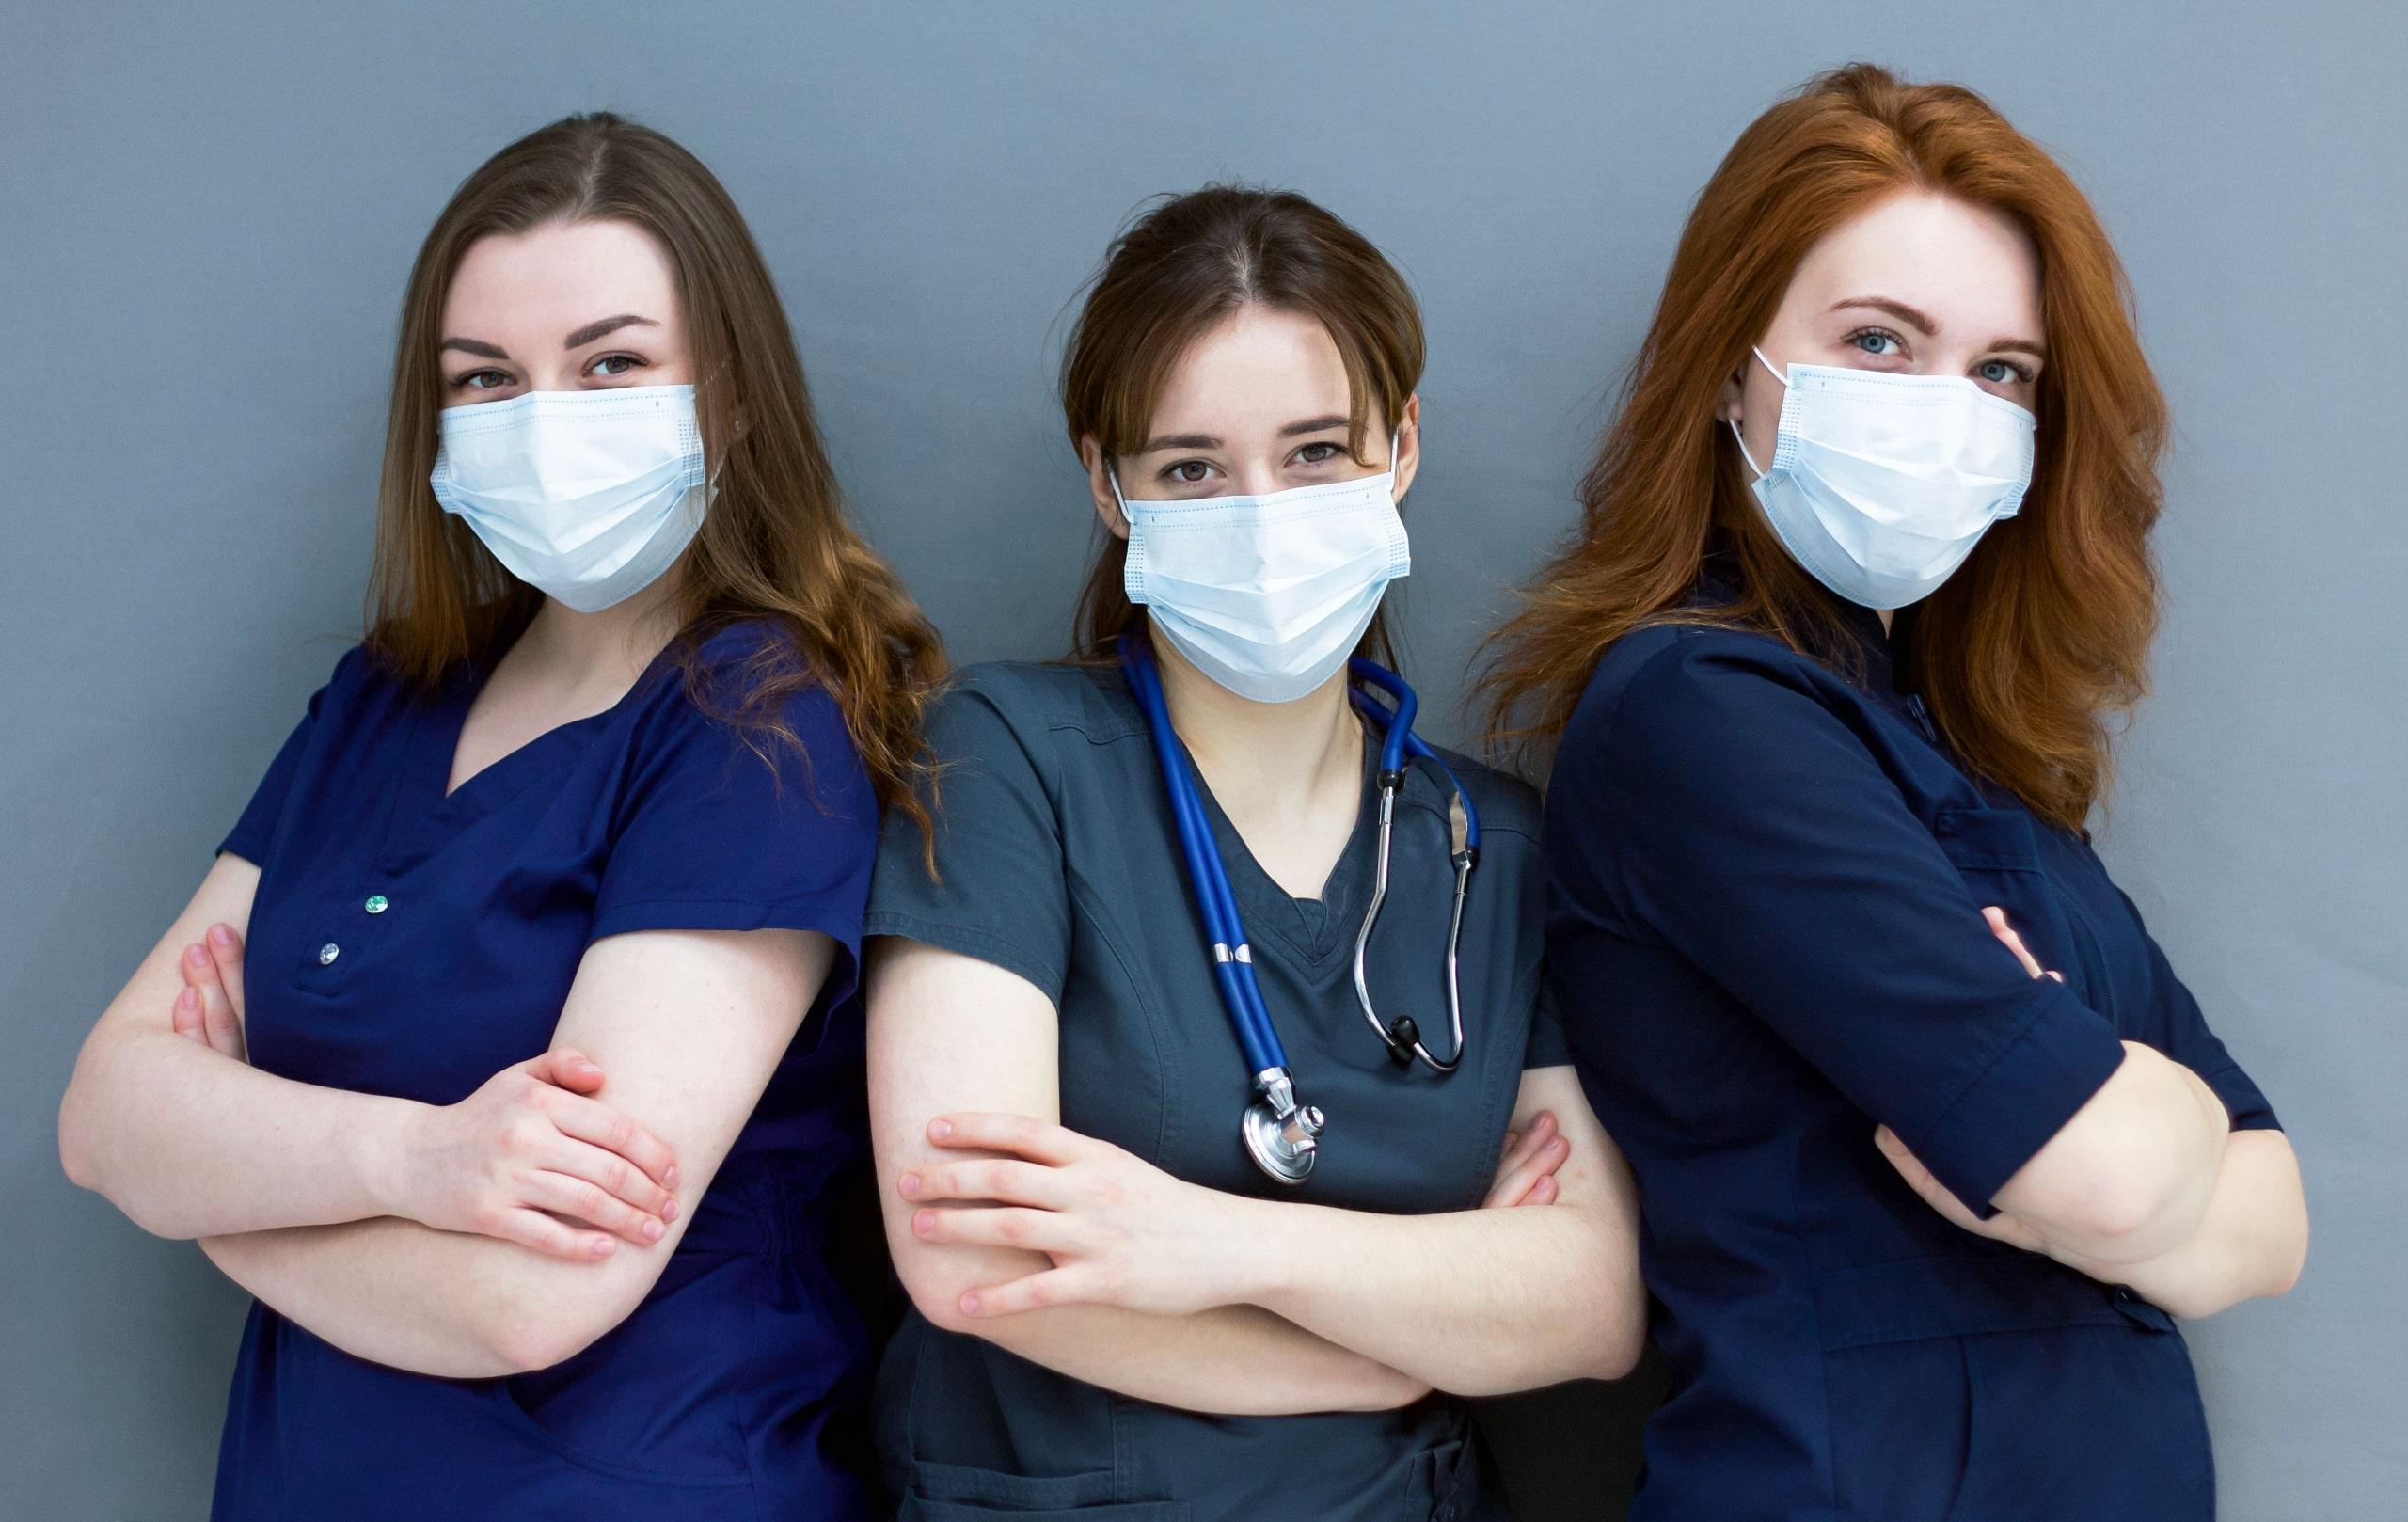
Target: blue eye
x: 1871, y: 342
x: 1999, y: 372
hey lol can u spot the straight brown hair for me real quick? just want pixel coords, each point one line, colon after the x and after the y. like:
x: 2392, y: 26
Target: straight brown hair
x: 1180, y: 270
x: 2042, y: 636
x: 775, y: 544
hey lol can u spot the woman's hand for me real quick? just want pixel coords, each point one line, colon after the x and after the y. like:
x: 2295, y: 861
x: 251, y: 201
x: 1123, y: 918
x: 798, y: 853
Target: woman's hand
x: 529, y: 1158
x: 1525, y: 1171
x: 208, y: 1008
x: 1119, y: 1230
x: 1996, y: 918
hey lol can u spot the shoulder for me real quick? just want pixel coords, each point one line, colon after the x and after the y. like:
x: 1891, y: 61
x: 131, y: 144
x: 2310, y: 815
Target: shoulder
x: 747, y: 690
x: 1672, y: 683
x: 1029, y: 700
x: 1505, y: 801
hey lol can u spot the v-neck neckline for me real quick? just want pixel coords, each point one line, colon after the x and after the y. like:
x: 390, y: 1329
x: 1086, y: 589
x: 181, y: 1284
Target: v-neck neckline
x: 1312, y: 930
x: 431, y: 814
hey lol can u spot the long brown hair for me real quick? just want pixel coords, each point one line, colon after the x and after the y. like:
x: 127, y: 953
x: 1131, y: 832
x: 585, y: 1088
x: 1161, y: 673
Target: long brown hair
x: 1188, y: 264
x: 775, y: 544
x: 2040, y: 637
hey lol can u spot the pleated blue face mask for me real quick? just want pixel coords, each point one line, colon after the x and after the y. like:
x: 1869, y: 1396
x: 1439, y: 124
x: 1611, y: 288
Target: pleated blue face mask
x: 1882, y: 485
x: 589, y: 496
x: 1267, y: 595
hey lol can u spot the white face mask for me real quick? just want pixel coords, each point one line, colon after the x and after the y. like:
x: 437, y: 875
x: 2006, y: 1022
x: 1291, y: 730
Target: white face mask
x: 1882, y: 485
x: 589, y: 495
x: 1267, y: 595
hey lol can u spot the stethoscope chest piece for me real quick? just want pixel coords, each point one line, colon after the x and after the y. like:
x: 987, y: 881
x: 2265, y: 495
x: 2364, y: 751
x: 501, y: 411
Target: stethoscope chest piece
x: 1282, y: 1137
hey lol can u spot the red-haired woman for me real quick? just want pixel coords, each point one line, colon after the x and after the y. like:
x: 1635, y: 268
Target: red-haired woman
x: 600, y: 794
x: 1932, y: 1145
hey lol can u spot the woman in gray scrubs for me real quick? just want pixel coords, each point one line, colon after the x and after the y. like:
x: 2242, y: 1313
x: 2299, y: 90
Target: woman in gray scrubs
x: 1118, y: 1313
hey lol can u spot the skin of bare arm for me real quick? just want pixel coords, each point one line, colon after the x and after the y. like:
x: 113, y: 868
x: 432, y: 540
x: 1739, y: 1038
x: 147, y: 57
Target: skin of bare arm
x: 691, y: 1024
x: 949, y: 1031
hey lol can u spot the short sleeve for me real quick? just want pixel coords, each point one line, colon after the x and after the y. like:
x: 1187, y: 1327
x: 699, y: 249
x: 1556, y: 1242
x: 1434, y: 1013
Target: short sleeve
x: 710, y: 833
x: 1548, y: 1046
x: 256, y: 826
x: 1744, y: 823
x: 1001, y: 890
x: 2179, y: 1029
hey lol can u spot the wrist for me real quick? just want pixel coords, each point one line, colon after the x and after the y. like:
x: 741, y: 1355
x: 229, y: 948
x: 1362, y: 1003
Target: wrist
x: 1259, y: 1251
x: 383, y: 1151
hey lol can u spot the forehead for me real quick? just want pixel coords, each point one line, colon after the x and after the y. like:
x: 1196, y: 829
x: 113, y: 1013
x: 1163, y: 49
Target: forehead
x: 1969, y: 266
x: 1251, y: 374
x: 557, y: 277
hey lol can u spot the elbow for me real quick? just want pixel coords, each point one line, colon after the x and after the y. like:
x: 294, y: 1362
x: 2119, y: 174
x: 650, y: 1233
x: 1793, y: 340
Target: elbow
x: 1618, y: 1351
x: 527, y: 1332
x: 935, y: 1293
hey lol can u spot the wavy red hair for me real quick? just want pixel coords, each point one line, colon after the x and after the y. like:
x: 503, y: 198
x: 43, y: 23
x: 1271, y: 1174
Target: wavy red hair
x: 2029, y: 652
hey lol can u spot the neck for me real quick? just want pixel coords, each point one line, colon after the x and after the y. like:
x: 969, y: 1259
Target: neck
x: 605, y: 650
x: 1263, y: 761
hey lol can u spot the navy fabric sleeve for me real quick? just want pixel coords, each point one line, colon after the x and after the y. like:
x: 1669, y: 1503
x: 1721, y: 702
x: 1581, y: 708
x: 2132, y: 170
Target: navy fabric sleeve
x: 1001, y: 893
x: 249, y: 837
x: 2179, y: 1029
x: 1750, y: 828
x: 711, y: 836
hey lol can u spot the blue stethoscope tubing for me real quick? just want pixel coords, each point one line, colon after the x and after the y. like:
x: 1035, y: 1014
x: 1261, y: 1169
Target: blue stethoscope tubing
x: 1280, y: 1132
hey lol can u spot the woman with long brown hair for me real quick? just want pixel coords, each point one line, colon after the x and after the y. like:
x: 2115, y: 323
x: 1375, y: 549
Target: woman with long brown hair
x: 597, y: 794
x: 1183, y: 1237
x: 1932, y: 1145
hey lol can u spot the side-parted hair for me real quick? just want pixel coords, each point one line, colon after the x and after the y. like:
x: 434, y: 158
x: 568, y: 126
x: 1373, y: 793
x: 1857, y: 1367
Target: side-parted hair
x: 775, y: 544
x: 1180, y: 270
x: 2040, y: 638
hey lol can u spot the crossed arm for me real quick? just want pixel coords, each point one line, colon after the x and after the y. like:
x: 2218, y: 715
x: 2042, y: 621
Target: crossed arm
x: 1077, y: 1255
x: 461, y: 1240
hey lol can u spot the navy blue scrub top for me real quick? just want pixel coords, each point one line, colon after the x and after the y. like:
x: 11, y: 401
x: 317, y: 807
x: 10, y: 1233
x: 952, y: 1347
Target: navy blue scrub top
x: 408, y: 944
x: 1766, y: 881
x: 1058, y: 861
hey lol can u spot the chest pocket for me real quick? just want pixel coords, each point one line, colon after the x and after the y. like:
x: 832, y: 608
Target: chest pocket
x: 1997, y: 852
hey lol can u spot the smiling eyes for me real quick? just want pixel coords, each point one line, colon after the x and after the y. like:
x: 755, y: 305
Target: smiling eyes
x: 607, y: 367
x: 1881, y: 343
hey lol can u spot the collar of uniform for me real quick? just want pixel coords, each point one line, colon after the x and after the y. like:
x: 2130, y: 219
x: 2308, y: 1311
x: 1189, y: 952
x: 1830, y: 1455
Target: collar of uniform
x: 1852, y: 640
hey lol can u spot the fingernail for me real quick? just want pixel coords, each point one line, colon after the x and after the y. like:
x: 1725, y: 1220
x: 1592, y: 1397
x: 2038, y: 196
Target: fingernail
x: 909, y: 1185
x: 651, y: 1231
x: 197, y: 955
x: 602, y: 1246
x: 670, y: 1177
x: 187, y: 999
x: 1556, y: 1144
x: 970, y: 1305
x: 220, y: 935
x: 923, y: 1221
x: 940, y: 1129
x: 669, y: 1209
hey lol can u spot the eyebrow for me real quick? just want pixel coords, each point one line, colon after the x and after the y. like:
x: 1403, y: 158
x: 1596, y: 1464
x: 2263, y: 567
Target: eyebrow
x: 476, y: 346
x: 1929, y: 327
x: 591, y: 331
x: 1208, y: 441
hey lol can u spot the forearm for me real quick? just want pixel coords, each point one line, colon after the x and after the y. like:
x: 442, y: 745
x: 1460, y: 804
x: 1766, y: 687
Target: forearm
x: 400, y: 1294
x: 2252, y: 1240
x: 191, y: 1143
x: 1232, y: 1360
x: 1477, y: 1302
x: 2131, y: 1177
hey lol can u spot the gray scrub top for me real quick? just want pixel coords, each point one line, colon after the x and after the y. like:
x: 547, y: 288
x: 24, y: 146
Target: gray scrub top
x: 1058, y: 861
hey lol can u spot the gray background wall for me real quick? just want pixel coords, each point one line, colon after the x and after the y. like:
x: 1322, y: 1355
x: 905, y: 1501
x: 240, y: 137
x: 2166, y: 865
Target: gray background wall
x: 206, y: 216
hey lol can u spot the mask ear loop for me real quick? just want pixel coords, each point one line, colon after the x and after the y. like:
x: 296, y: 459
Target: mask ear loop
x: 1733, y: 423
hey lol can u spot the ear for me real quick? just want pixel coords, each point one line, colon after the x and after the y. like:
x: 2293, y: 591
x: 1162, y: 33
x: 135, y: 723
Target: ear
x: 1408, y: 446
x: 1099, y: 487
x: 1731, y: 406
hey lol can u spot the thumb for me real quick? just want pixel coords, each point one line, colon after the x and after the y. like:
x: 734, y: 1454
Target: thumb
x: 567, y: 1067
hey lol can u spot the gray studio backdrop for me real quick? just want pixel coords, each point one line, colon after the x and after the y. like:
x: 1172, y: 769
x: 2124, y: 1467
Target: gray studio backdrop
x: 207, y: 214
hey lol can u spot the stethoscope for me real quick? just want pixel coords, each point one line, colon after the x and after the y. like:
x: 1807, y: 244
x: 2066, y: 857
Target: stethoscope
x: 1281, y: 1133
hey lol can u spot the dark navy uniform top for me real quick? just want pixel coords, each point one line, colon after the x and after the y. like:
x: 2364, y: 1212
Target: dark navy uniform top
x: 1766, y: 878
x: 411, y: 944
x: 1059, y: 862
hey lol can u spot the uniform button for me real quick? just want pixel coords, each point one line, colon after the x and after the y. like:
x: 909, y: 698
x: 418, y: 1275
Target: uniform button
x: 377, y: 903
x: 328, y: 953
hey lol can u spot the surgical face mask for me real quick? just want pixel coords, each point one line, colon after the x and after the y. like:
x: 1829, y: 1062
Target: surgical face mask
x: 589, y: 495
x: 1267, y: 595
x: 1882, y: 485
